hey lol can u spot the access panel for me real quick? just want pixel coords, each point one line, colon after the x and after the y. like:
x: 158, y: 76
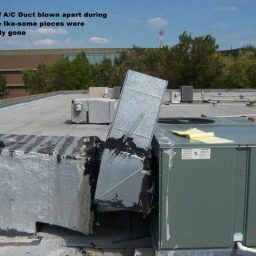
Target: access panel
x: 202, y: 197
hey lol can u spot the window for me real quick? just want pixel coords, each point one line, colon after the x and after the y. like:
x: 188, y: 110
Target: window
x: 94, y: 58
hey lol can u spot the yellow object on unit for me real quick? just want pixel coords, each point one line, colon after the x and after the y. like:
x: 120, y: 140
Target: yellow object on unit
x: 194, y: 133
x: 198, y: 135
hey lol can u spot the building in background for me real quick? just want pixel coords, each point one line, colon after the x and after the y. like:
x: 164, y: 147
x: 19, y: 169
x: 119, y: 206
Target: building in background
x: 14, y: 62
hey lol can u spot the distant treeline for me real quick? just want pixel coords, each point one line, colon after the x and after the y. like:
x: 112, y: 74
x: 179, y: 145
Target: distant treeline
x: 193, y: 61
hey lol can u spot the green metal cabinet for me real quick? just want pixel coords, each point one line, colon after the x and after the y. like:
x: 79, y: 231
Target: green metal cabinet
x: 206, y: 192
x: 251, y: 207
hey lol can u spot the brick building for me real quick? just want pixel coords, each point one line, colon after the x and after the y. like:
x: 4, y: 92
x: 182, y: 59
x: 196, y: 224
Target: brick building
x: 14, y: 62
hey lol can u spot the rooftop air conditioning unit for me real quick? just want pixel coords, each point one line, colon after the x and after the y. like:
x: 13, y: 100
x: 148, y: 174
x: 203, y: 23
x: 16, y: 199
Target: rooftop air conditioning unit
x: 206, y: 186
x: 79, y: 111
x: 101, y: 110
x: 186, y: 93
x: 175, y: 97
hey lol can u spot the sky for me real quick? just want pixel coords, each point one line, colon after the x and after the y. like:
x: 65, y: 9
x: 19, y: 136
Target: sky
x: 128, y: 23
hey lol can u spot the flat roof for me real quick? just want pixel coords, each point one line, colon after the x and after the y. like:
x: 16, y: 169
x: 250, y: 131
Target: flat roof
x: 50, y: 116
x: 60, y: 51
x: 207, y: 109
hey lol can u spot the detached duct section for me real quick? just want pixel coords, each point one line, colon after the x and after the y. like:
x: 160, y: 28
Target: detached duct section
x: 45, y: 179
x: 124, y: 180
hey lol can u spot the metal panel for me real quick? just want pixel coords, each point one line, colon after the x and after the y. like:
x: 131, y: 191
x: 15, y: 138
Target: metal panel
x: 124, y: 176
x: 204, y: 252
x: 100, y: 110
x: 197, y: 207
x: 241, y: 162
x: 251, y: 212
x: 116, y: 92
x: 186, y: 93
x: 138, y: 108
x: 206, y: 203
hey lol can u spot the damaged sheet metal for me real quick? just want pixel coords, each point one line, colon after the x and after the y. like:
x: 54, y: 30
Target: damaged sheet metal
x: 46, y: 179
x: 125, y: 177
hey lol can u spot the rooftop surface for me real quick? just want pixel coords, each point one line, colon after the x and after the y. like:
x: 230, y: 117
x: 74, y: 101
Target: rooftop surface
x: 51, y: 117
x: 47, y: 117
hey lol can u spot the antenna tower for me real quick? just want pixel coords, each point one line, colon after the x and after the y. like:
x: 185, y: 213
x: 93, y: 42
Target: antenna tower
x: 161, y: 38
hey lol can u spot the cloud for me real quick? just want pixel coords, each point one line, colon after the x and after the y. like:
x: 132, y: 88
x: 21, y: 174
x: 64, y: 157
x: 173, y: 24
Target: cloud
x: 225, y: 8
x: 156, y: 22
x: 219, y: 25
x: 47, y: 32
x: 46, y: 42
x: 99, y: 40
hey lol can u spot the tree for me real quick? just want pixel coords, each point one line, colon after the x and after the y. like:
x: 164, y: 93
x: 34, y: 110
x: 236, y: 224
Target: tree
x: 194, y: 61
x: 226, y: 64
x: 62, y: 77
x: 104, y: 73
x: 40, y: 80
x: 134, y: 59
x: 155, y: 62
x: 3, y: 87
x: 81, y: 73
x: 242, y: 73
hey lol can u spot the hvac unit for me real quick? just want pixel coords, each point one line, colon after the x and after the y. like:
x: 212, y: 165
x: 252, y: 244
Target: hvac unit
x: 116, y: 92
x: 206, y: 196
x: 186, y: 93
x: 101, y: 110
x: 79, y: 111
x: 175, y: 97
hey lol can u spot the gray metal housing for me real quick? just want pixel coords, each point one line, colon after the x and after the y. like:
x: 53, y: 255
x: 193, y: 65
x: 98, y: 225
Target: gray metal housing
x: 186, y: 93
x: 206, y: 201
x: 124, y: 178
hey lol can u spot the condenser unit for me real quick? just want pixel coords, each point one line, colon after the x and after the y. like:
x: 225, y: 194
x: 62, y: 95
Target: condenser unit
x: 186, y: 93
x: 206, y: 193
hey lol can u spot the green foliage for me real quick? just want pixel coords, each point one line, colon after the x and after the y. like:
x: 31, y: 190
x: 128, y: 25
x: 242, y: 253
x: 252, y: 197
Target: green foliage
x: 3, y: 87
x: 81, y: 70
x: 242, y: 73
x: 239, y: 72
x: 73, y: 75
x: 64, y: 75
x: 194, y: 60
x: 104, y: 74
x: 155, y: 60
x: 40, y: 80
x: 134, y: 59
